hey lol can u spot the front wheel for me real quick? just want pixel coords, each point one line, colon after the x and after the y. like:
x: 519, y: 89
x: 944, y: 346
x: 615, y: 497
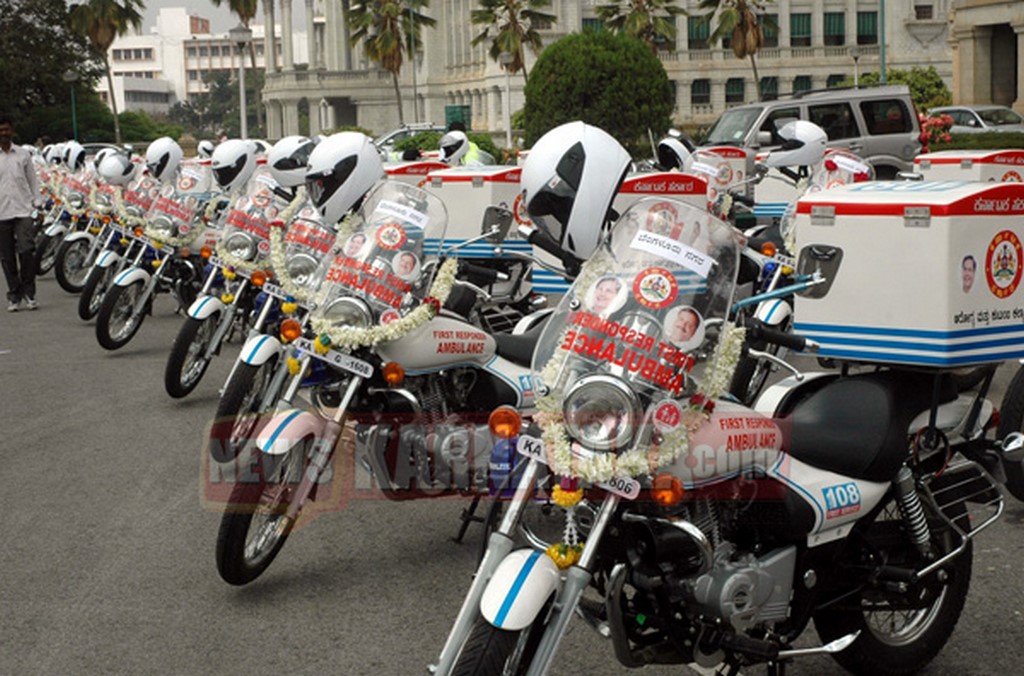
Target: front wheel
x: 1011, y: 419
x: 117, y: 321
x: 239, y: 409
x: 490, y: 651
x: 187, y: 362
x: 95, y: 288
x: 71, y: 264
x: 255, y: 526
x: 46, y: 253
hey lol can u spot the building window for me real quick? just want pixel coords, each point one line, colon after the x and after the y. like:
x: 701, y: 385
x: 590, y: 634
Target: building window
x: 769, y: 88
x: 835, y: 80
x: 924, y: 12
x: 770, y: 30
x: 593, y: 25
x: 697, y: 32
x: 148, y: 53
x: 193, y: 75
x: 540, y: 24
x: 700, y: 91
x: 191, y: 51
x: 116, y: 55
x: 867, y: 28
x: 800, y: 30
x: 215, y: 50
x: 203, y: 51
x: 259, y: 49
x: 667, y: 44
x: 835, y: 28
x: 734, y: 90
x: 801, y: 83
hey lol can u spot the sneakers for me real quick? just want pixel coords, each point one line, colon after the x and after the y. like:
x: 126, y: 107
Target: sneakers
x: 31, y: 304
x: 13, y: 305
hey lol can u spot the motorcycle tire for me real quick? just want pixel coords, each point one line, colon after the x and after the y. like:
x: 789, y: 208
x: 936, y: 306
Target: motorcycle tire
x: 95, y: 288
x: 490, y: 651
x: 46, y: 253
x: 238, y: 411
x: 116, y: 324
x: 187, y: 362
x: 969, y: 378
x: 71, y: 265
x: 1011, y: 419
x: 254, y: 527
x: 882, y: 648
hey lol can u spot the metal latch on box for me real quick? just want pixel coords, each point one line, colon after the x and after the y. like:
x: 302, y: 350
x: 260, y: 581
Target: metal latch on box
x: 966, y: 163
x: 917, y: 217
x: 823, y: 215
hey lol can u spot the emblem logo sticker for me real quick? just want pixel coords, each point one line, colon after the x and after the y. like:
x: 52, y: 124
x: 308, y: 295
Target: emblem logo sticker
x: 655, y: 288
x: 1003, y: 264
x: 391, y: 236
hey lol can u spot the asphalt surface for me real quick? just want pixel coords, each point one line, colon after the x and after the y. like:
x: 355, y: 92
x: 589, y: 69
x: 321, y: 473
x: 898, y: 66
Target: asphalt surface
x: 109, y: 523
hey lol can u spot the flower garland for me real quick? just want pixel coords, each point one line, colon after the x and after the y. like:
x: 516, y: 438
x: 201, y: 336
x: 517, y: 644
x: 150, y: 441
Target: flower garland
x: 330, y: 334
x: 638, y: 461
x: 298, y: 294
x: 125, y: 217
x: 214, y: 204
x: 96, y: 206
x: 197, y: 227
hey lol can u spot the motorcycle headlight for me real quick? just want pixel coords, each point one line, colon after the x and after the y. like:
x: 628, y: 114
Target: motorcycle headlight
x: 601, y: 412
x: 302, y: 269
x: 349, y: 311
x: 162, y: 226
x: 240, y: 245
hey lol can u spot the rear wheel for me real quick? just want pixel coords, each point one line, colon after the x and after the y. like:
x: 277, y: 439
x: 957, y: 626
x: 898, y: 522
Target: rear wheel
x: 71, y: 264
x: 239, y: 409
x: 95, y: 288
x: 117, y: 321
x: 46, y: 253
x: 187, y: 362
x: 1011, y: 419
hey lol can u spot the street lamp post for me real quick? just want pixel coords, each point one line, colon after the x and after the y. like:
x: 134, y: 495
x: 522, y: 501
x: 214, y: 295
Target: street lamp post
x: 412, y: 34
x: 241, y: 35
x: 71, y: 77
x: 855, y: 55
x: 505, y: 59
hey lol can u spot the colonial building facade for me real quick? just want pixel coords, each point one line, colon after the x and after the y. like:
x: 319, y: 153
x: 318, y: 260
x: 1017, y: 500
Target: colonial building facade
x: 987, y: 37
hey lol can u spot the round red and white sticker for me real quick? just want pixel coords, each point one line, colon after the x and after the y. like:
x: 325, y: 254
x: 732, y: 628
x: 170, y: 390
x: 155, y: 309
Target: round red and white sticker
x: 655, y: 288
x: 1003, y: 264
x: 184, y: 228
x: 391, y: 236
x: 263, y: 247
x: 667, y: 415
x: 389, y: 316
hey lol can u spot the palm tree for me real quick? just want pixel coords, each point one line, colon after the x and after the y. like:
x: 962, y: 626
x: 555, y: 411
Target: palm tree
x: 101, y: 21
x: 743, y: 21
x: 245, y: 10
x: 389, y: 31
x: 511, y: 24
x: 642, y: 19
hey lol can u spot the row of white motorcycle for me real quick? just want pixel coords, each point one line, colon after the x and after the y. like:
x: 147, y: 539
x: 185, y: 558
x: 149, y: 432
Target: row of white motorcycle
x: 616, y: 448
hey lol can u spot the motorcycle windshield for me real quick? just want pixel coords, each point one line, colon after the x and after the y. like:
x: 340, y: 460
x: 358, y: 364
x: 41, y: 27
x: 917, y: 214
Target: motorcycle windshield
x: 175, y: 216
x: 139, y: 195
x: 387, y: 255
x: 75, y: 187
x: 306, y: 245
x: 630, y: 346
x: 244, y: 240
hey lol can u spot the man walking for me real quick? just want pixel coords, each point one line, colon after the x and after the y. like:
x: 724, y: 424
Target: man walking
x: 19, y: 196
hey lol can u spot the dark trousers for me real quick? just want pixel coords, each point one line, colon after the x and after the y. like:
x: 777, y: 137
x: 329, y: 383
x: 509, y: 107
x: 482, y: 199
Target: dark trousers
x: 18, y: 255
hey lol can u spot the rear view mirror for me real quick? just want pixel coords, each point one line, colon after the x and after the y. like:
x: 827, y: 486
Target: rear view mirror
x: 496, y: 224
x: 821, y: 263
x: 764, y: 138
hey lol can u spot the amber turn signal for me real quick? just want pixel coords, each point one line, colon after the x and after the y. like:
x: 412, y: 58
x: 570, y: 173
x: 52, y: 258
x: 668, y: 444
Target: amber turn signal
x: 667, y: 490
x: 394, y: 374
x: 768, y: 249
x: 206, y: 252
x: 138, y: 231
x: 258, y: 278
x: 290, y: 330
x: 505, y: 422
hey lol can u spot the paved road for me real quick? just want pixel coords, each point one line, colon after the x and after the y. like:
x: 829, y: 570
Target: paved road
x: 107, y: 563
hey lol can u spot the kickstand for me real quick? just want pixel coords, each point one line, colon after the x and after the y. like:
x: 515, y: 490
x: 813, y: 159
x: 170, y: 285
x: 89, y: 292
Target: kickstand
x: 467, y: 517
x: 776, y: 669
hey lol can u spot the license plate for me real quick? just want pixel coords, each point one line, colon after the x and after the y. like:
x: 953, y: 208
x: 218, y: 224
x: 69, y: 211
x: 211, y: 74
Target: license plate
x: 214, y: 260
x: 531, y: 447
x: 345, y: 362
x: 275, y: 290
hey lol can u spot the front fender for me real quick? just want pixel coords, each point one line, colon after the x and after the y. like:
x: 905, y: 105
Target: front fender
x: 774, y: 312
x: 132, y: 275
x: 260, y: 349
x: 56, y: 229
x: 107, y: 258
x: 519, y: 588
x: 81, y: 234
x: 287, y: 429
x: 204, y: 306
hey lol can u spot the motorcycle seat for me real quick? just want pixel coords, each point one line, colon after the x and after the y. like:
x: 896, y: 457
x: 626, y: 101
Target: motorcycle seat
x: 519, y: 349
x: 857, y: 426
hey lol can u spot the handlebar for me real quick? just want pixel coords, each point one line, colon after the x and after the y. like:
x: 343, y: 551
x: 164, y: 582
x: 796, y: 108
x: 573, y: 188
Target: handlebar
x: 478, y: 274
x: 543, y: 240
x: 759, y: 331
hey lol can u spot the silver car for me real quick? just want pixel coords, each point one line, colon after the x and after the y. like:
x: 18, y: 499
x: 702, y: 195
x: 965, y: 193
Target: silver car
x: 975, y: 119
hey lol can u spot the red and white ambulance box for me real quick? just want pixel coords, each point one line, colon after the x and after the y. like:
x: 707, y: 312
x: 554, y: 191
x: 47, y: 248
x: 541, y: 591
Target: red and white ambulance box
x: 1003, y: 166
x: 930, y: 272
x: 724, y: 167
x: 414, y: 173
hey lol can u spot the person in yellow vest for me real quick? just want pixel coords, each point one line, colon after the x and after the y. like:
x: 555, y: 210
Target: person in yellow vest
x: 456, y: 148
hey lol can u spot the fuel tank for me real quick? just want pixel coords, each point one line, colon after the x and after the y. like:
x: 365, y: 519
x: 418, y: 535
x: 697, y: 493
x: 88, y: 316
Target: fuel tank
x: 444, y: 341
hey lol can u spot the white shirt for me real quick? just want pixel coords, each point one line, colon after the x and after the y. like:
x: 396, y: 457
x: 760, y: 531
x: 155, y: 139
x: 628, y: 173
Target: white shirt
x: 19, y: 187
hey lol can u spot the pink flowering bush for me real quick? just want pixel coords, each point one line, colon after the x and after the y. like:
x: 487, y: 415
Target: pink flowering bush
x: 934, y: 130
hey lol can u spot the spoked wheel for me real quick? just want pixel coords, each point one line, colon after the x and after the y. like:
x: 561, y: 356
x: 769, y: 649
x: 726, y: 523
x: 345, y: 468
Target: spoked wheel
x: 71, y: 266
x: 901, y: 632
x: 239, y: 409
x: 255, y: 526
x: 117, y: 322
x: 46, y: 253
x: 1011, y: 419
x: 95, y: 288
x: 188, y: 361
x: 490, y: 651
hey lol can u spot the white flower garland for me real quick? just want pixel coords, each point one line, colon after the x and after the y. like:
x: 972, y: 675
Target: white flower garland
x: 96, y: 206
x: 278, y: 247
x: 248, y: 267
x: 124, y: 216
x: 638, y: 461
x: 349, y: 337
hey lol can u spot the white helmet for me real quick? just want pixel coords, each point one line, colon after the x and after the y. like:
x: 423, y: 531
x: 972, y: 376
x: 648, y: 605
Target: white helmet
x: 288, y: 159
x: 74, y: 155
x: 116, y: 168
x: 803, y: 145
x: 342, y: 169
x: 205, y: 148
x: 569, y: 181
x: 100, y: 155
x: 233, y: 164
x: 54, y: 153
x: 162, y: 158
x: 454, y: 145
x: 673, y: 154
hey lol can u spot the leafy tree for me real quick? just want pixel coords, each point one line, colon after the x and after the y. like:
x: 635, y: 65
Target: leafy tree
x: 607, y: 80
x: 101, y: 21
x: 431, y: 140
x: 139, y: 125
x: 927, y: 88
x: 742, y: 21
x: 510, y: 25
x: 215, y: 111
x: 642, y: 19
x: 389, y: 30
x: 245, y: 10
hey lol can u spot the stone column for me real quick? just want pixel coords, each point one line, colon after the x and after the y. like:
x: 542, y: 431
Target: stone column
x: 290, y: 117
x: 980, y: 88
x: 311, y: 36
x: 1018, y: 105
x: 274, y: 122
x: 286, y: 35
x: 269, y: 38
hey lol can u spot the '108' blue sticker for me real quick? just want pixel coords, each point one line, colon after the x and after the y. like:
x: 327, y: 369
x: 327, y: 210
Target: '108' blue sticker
x: 841, y: 500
